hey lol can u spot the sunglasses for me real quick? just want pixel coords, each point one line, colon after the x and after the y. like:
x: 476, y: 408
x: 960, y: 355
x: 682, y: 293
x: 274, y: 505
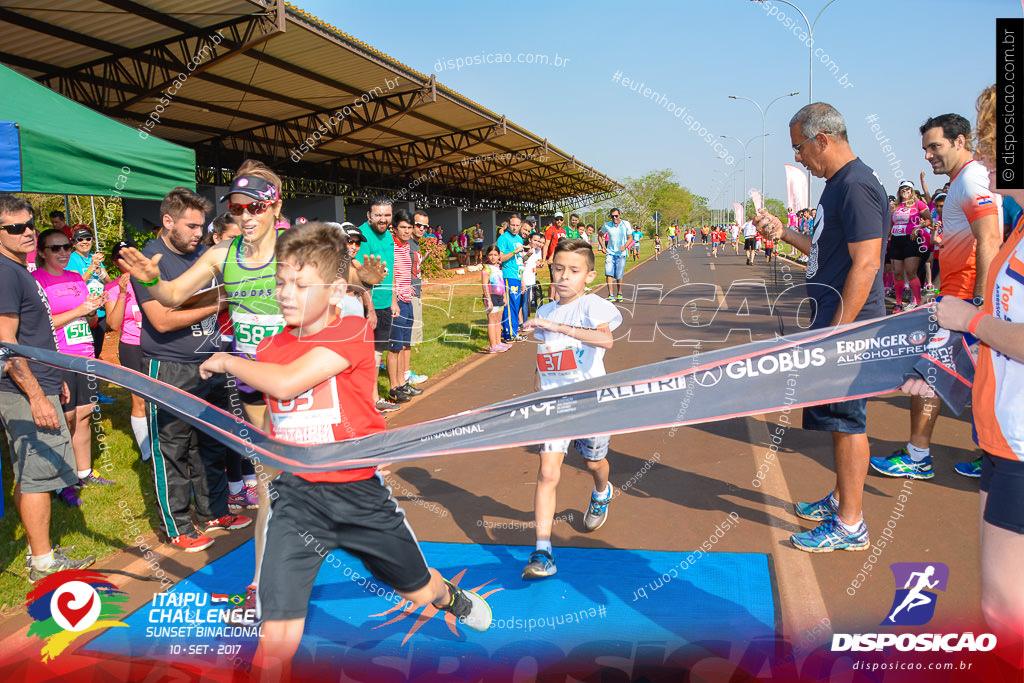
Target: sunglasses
x: 59, y: 247
x: 83, y: 239
x: 18, y: 228
x: 796, y: 148
x: 254, y: 208
x: 421, y: 225
x: 353, y: 241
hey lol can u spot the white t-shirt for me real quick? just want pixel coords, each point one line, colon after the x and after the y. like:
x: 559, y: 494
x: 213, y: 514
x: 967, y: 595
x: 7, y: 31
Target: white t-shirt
x: 562, y: 359
x: 529, y: 278
x: 749, y: 230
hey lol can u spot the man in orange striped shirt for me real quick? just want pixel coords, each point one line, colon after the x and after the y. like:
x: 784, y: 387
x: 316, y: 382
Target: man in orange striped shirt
x: 972, y: 234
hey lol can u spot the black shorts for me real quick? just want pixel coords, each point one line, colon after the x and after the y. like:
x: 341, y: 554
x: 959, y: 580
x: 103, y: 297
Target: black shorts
x: 84, y: 390
x: 902, y: 247
x: 847, y: 417
x: 130, y: 356
x: 309, y: 519
x: 1003, y: 480
x: 382, y: 333
x: 749, y: 243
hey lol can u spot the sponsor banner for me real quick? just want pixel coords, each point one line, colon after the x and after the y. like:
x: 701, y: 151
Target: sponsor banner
x: 796, y: 188
x: 858, y: 360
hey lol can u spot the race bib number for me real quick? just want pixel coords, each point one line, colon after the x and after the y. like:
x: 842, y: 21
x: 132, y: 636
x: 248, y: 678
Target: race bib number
x: 136, y: 314
x: 310, y: 416
x: 78, y: 332
x: 251, y: 329
x: 557, y: 365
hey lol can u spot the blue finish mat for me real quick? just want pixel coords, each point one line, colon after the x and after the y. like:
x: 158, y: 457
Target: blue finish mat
x: 596, y: 602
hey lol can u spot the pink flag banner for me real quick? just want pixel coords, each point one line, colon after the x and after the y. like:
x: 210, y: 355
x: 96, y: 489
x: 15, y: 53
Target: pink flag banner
x: 738, y: 213
x: 758, y: 202
x: 796, y: 188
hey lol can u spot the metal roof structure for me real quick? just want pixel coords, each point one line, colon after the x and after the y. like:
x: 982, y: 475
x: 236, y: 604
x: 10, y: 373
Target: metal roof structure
x: 261, y: 78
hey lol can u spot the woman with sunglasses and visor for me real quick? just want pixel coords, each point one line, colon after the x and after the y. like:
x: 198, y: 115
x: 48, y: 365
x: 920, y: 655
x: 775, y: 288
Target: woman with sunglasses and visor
x: 248, y: 268
x: 71, y: 307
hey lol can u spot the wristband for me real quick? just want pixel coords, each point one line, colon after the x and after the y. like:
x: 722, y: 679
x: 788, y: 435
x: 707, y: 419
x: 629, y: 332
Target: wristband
x: 150, y: 283
x: 972, y: 326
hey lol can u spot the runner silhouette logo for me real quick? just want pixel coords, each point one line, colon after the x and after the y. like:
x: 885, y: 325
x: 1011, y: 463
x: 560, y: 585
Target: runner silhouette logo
x: 916, y: 583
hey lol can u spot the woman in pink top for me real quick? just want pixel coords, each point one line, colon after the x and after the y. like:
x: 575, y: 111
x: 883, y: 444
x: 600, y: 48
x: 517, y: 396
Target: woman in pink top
x: 71, y: 307
x: 123, y: 313
x: 904, y: 252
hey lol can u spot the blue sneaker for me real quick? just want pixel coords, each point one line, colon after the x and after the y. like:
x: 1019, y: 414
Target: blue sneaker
x: 821, y: 511
x: 831, y: 535
x: 104, y: 399
x: 596, y: 513
x: 969, y: 469
x: 900, y: 464
x: 541, y: 564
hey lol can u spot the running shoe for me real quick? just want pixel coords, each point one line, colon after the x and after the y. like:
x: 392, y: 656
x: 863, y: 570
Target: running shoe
x: 192, y: 542
x: 410, y: 389
x: 911, y: 306
x: 619, y: 298
x: 831, y: 535
x: 413, y: 378
x: 386, y: 406
x: 245, y: 499
x: 541, y: 564
x: 69, y: 496
x: 611, y: 297
x: 61, y: 562
x: 821, y: 511
x: 897, y: 309
x: 468, y: 607
x: 596, y: 513
x: 246, y: 613
x: 228, y: 521
x: 398, y: 396
x: 900, y: 464
x: 969, y: 469
x: 96, y: 480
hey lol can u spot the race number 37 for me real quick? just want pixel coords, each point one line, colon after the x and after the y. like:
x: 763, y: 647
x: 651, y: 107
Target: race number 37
x: 556, y: 361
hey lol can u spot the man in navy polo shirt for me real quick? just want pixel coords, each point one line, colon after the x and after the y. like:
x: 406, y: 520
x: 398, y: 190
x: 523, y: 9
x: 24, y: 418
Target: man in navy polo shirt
x: 844, y: 281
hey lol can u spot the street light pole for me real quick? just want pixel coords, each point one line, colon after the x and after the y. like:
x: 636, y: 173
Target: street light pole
x: 810, y: 60
x: 745, y: 157
x: 763, y: 133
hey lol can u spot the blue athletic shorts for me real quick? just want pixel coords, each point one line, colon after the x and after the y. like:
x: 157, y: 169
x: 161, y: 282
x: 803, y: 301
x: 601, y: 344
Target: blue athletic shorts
x: 615, y: 266
x: 1003, y: 480
x: 401, y: 328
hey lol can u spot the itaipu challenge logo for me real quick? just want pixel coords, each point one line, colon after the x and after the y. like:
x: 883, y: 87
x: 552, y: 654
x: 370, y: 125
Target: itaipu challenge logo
x: 70, y: 603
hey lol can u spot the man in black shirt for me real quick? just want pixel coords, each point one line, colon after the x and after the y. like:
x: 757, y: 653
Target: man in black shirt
x: 187, y: 463
x: 40, y: 444
x: 844, y: 281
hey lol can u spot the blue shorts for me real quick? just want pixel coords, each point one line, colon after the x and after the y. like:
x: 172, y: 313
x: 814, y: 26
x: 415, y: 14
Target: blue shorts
x: 615, y: 266
x: 847, y: 417
x: 401, y: 328
x: 1003, y: 480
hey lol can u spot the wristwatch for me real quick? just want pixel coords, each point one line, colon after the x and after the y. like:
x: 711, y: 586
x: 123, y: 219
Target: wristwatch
x: 978, y: 301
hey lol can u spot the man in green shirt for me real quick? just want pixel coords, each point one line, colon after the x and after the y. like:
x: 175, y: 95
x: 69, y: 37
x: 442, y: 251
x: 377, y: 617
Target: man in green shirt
x: 573, y: 231
x: 380, y: 243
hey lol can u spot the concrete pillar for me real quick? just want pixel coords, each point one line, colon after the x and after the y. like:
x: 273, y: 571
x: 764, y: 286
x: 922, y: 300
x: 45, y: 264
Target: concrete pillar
x: 142, y: 214
x: 313, y: 208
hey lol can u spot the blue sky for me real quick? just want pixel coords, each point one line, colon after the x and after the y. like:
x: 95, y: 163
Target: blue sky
x: 906, y: 60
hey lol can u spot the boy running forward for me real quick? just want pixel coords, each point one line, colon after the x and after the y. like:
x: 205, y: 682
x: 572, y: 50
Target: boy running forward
x: 574, y: 333
x: 317, y: 375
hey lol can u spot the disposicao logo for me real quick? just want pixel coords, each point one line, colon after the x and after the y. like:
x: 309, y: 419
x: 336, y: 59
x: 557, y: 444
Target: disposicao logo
x: 69, y: 603
x: 914, y: 605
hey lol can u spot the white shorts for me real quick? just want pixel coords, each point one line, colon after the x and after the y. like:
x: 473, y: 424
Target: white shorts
x: 591, y: 448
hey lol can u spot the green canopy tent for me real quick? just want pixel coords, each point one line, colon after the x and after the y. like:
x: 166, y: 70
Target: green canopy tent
x: 51, y: 144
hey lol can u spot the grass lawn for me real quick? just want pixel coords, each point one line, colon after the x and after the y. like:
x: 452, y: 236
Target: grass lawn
x: 112, y: 517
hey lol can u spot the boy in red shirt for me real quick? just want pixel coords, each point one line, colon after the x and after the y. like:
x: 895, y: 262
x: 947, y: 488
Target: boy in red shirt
x: 317, y: 375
